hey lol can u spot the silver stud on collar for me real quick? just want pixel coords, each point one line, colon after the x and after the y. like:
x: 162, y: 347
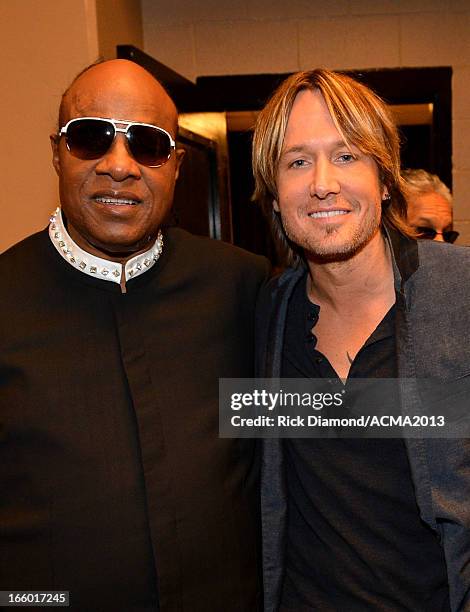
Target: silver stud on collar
x: 74, y: 255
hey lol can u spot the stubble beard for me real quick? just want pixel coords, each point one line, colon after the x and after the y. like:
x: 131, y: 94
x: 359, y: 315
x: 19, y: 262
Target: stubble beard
x: 324, y: 248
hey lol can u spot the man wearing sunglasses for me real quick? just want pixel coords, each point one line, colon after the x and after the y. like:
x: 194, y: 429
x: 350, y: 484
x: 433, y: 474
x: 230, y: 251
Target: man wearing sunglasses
x: 114, y: 330
x: 429, y: 206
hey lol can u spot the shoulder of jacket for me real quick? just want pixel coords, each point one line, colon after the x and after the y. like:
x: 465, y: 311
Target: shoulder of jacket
x: 215, y: 252
x: 27, y: 249
x: 438, y: 255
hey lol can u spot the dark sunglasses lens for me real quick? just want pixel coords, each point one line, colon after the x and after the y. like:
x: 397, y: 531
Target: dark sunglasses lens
x: 451, y: 236
x: 426, y: 232
x: 89, y: 139
x: 149, y: 146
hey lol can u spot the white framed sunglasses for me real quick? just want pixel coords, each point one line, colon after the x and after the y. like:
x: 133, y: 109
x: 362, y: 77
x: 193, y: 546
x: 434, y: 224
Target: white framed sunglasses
x: 91, y: 137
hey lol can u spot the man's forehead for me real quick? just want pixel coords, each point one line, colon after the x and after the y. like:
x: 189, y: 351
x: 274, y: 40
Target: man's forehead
x: 310, y: 121
x: 118, y: 91
x: 430, y: 206
x: 310, y: 100
x: 86, y: 102
x: 310, y: 113
x: 433, y: 201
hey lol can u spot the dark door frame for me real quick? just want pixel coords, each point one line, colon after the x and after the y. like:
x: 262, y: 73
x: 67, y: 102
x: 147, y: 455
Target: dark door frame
x: 250, y: 92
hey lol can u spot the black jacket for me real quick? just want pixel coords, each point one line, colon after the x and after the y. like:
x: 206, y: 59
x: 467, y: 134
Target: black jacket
x: 114, y: 484
x: 432, y: 282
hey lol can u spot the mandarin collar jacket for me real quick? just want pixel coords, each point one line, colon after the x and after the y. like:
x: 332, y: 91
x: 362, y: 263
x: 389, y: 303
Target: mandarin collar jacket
x: 432, y: 284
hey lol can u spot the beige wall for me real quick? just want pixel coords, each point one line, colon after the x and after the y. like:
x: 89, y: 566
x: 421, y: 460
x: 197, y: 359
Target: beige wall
x: 213, y: 37
x: 119, y: 23
x: 44, y: 44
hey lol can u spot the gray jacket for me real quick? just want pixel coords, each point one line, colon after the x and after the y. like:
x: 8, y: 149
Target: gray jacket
x: 432, y: 283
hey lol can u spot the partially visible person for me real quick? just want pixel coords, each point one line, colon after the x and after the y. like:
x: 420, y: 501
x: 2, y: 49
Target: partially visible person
x: 429, y: 206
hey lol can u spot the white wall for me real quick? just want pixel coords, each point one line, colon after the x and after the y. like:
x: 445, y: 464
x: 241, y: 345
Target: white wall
x: 215, y: 37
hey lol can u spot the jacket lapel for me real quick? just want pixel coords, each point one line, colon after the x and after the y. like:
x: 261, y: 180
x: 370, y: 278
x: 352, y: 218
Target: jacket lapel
x: 405, y: 261
x: 273, y: 486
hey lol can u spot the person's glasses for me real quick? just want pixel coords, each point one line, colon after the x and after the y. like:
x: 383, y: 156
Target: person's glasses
x: 91, y: 137
x: 429, y: 234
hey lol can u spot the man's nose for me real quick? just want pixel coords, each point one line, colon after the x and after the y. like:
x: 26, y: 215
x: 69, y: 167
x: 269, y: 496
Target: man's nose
x: 439, y: 237
x: 118, y: 162
x: 324, y: 180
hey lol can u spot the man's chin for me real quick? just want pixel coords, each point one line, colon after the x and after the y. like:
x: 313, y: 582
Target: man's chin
x: 123, y: 252
x: 332, y: 242
x: 119, y: 251
x: 320, y: 257
x: 336, y: 253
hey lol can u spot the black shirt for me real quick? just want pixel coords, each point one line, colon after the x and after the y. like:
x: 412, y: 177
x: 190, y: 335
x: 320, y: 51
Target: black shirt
x: 355, y: 539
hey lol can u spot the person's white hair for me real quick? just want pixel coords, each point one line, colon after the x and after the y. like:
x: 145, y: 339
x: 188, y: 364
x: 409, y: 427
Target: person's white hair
x: 418, y: 181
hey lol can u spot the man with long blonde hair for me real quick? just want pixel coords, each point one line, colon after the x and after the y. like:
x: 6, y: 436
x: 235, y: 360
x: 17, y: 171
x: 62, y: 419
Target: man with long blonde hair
x: 356, y: 524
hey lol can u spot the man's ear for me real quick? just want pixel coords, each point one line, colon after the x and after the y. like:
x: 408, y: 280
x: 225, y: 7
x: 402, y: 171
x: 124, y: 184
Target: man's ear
x: 385, y: 194
x: 55, y: 152
x: 276, y: 206
x: 180, y: 153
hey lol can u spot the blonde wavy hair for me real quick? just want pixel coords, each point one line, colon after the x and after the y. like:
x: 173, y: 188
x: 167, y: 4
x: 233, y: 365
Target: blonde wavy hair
x: 361, y: 118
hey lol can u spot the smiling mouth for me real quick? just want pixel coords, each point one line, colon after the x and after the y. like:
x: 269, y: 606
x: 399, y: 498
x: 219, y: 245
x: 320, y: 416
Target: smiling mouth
x: 320, y: 214
x: 116, y: 201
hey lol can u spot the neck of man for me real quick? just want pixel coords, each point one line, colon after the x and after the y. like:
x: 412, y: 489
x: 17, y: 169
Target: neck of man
x: 355, y: 283
x: 115, y: 256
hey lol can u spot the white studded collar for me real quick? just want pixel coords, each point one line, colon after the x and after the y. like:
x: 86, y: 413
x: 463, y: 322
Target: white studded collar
x: 96, y: 266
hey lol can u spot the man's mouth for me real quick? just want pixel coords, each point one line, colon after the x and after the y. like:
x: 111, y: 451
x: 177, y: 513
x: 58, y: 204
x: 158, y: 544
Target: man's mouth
x: 116, y: 201
x: 319, y: 214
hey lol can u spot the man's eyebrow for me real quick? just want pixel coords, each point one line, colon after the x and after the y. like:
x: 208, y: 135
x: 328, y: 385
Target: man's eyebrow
x: 294, y: 149
x: 300, y: 148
